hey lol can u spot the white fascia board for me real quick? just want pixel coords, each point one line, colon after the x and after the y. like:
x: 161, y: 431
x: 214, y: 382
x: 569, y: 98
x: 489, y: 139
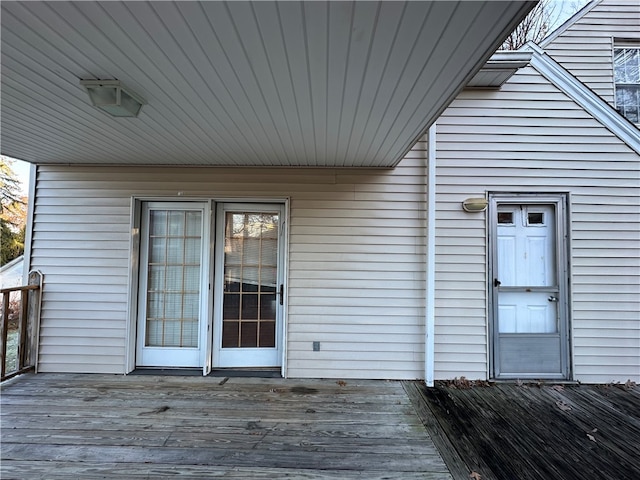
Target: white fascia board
x: 586, y: 98
x: 514, y: 58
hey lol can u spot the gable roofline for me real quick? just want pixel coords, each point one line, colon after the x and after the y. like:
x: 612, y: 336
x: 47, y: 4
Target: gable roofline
x: 583, y: 96
x: 569, y: 22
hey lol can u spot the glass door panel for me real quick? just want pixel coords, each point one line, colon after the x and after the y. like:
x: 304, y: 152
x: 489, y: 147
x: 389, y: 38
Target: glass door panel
x: 173, y: 288
x: 249, y: 319
x: 250, y: 278
x: 171, y: 281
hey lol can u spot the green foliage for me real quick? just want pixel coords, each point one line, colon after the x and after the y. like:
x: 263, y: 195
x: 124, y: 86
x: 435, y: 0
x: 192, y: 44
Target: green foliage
x: 9, y: 185
x: 11, y: 232
x: 11, y: 243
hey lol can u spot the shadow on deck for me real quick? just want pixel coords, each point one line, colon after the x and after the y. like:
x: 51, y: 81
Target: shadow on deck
x: 149, y: 426
x: 534, y: 431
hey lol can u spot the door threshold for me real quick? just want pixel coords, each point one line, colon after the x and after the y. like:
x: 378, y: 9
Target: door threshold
x: 247, y: 372
x: 220, y: 372
x: 535, y: 381
x: 185, y: 372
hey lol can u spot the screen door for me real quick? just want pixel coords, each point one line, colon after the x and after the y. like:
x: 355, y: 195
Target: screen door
x: 528, y: 291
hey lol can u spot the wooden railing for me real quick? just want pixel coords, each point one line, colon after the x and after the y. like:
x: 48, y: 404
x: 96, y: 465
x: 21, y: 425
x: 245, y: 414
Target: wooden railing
x: 19, y: 327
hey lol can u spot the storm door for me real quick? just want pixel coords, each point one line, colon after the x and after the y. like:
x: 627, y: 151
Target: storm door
x: 173, y: 280
x: 530, y: 327
x: 249, y: 285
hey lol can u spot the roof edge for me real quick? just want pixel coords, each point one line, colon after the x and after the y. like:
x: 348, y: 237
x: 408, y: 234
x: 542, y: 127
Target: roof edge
x: 500, y: 67
x: 587, y: 99
x: 509, y: 58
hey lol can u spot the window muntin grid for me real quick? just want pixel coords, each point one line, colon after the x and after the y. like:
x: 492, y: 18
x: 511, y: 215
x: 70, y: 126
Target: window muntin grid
x: 173, y: 278
x: 626, y: 68
x: 250, y: 280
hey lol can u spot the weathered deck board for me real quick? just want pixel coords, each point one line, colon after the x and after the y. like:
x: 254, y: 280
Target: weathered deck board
x: 101, y: 426
x: 508, y: 431
x: 134, y: 471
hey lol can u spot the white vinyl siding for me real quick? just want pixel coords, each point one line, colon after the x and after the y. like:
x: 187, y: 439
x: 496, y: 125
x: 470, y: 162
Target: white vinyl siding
x: 513, y: 141
x: 585, y: 48
x: 356, y: 261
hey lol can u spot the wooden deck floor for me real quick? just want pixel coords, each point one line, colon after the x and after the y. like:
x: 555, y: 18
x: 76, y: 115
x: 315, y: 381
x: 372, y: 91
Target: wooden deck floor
x: 107, y: 426
x: 509, y: 432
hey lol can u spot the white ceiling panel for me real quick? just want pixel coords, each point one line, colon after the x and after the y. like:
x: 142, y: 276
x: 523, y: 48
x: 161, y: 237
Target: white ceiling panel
x: 239, y: 83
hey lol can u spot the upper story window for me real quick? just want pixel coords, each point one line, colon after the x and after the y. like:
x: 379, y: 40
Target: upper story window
x: 626, y: 68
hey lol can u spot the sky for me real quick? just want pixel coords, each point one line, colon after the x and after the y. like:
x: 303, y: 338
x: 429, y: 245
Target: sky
x: 564, y: 8
x: 21, y: 169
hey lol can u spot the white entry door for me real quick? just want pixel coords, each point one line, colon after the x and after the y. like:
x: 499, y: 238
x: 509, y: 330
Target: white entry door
x: 249, y: 285
x: 173, y: 279
x: 529, y: 321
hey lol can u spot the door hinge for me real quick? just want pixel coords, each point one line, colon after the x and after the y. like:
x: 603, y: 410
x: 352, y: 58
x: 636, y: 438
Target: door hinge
x: 281, y: 293
x: 496, y: 282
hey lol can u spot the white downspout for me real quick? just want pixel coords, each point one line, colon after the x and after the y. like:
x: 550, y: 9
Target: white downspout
x: 33, y: 175
x: 430, y: 288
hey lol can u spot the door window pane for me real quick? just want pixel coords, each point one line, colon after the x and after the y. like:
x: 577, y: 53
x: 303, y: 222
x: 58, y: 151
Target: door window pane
x: 175, y: 250
x: 535, y: 218
x: 157, y: 249
x: 505, y: 218
x: 248, y: 334
x: 158, y: 222
x: 250, y: 260
x: 267, y: 334
x: 249, y: 307
x: 173, y: 278
x: 175, y: 223
x: 230, y: 334
x: 194, y: 224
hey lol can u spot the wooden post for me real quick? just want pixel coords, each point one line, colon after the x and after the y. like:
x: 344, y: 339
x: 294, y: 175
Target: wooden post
x: 35, y: 296
x: 23, y: 337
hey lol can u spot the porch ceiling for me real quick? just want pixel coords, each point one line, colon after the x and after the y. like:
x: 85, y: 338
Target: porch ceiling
x: 239, y: 83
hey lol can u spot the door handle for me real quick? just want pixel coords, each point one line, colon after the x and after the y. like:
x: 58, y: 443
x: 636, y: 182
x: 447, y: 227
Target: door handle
x: 496, y: 282
x: 552, y: 298
x: 281, y: 293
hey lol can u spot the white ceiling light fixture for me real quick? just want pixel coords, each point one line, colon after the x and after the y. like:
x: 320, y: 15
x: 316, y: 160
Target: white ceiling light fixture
x: 113, y: 98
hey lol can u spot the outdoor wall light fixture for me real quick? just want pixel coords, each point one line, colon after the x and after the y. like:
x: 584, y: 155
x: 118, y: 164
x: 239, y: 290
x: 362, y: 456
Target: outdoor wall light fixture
x: 113, y: 98
x: 475, y: 205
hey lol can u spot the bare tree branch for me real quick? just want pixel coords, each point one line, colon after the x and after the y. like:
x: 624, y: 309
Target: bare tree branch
x: 534, y: 27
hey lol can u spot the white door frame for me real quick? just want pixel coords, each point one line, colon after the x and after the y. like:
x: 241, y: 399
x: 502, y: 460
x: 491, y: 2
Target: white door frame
x: 559, y: 201
x: 153, y: 356
x: 136, y: 266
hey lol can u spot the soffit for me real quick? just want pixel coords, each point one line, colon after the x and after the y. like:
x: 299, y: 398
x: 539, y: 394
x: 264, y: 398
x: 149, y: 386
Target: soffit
x: 239, y: 83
